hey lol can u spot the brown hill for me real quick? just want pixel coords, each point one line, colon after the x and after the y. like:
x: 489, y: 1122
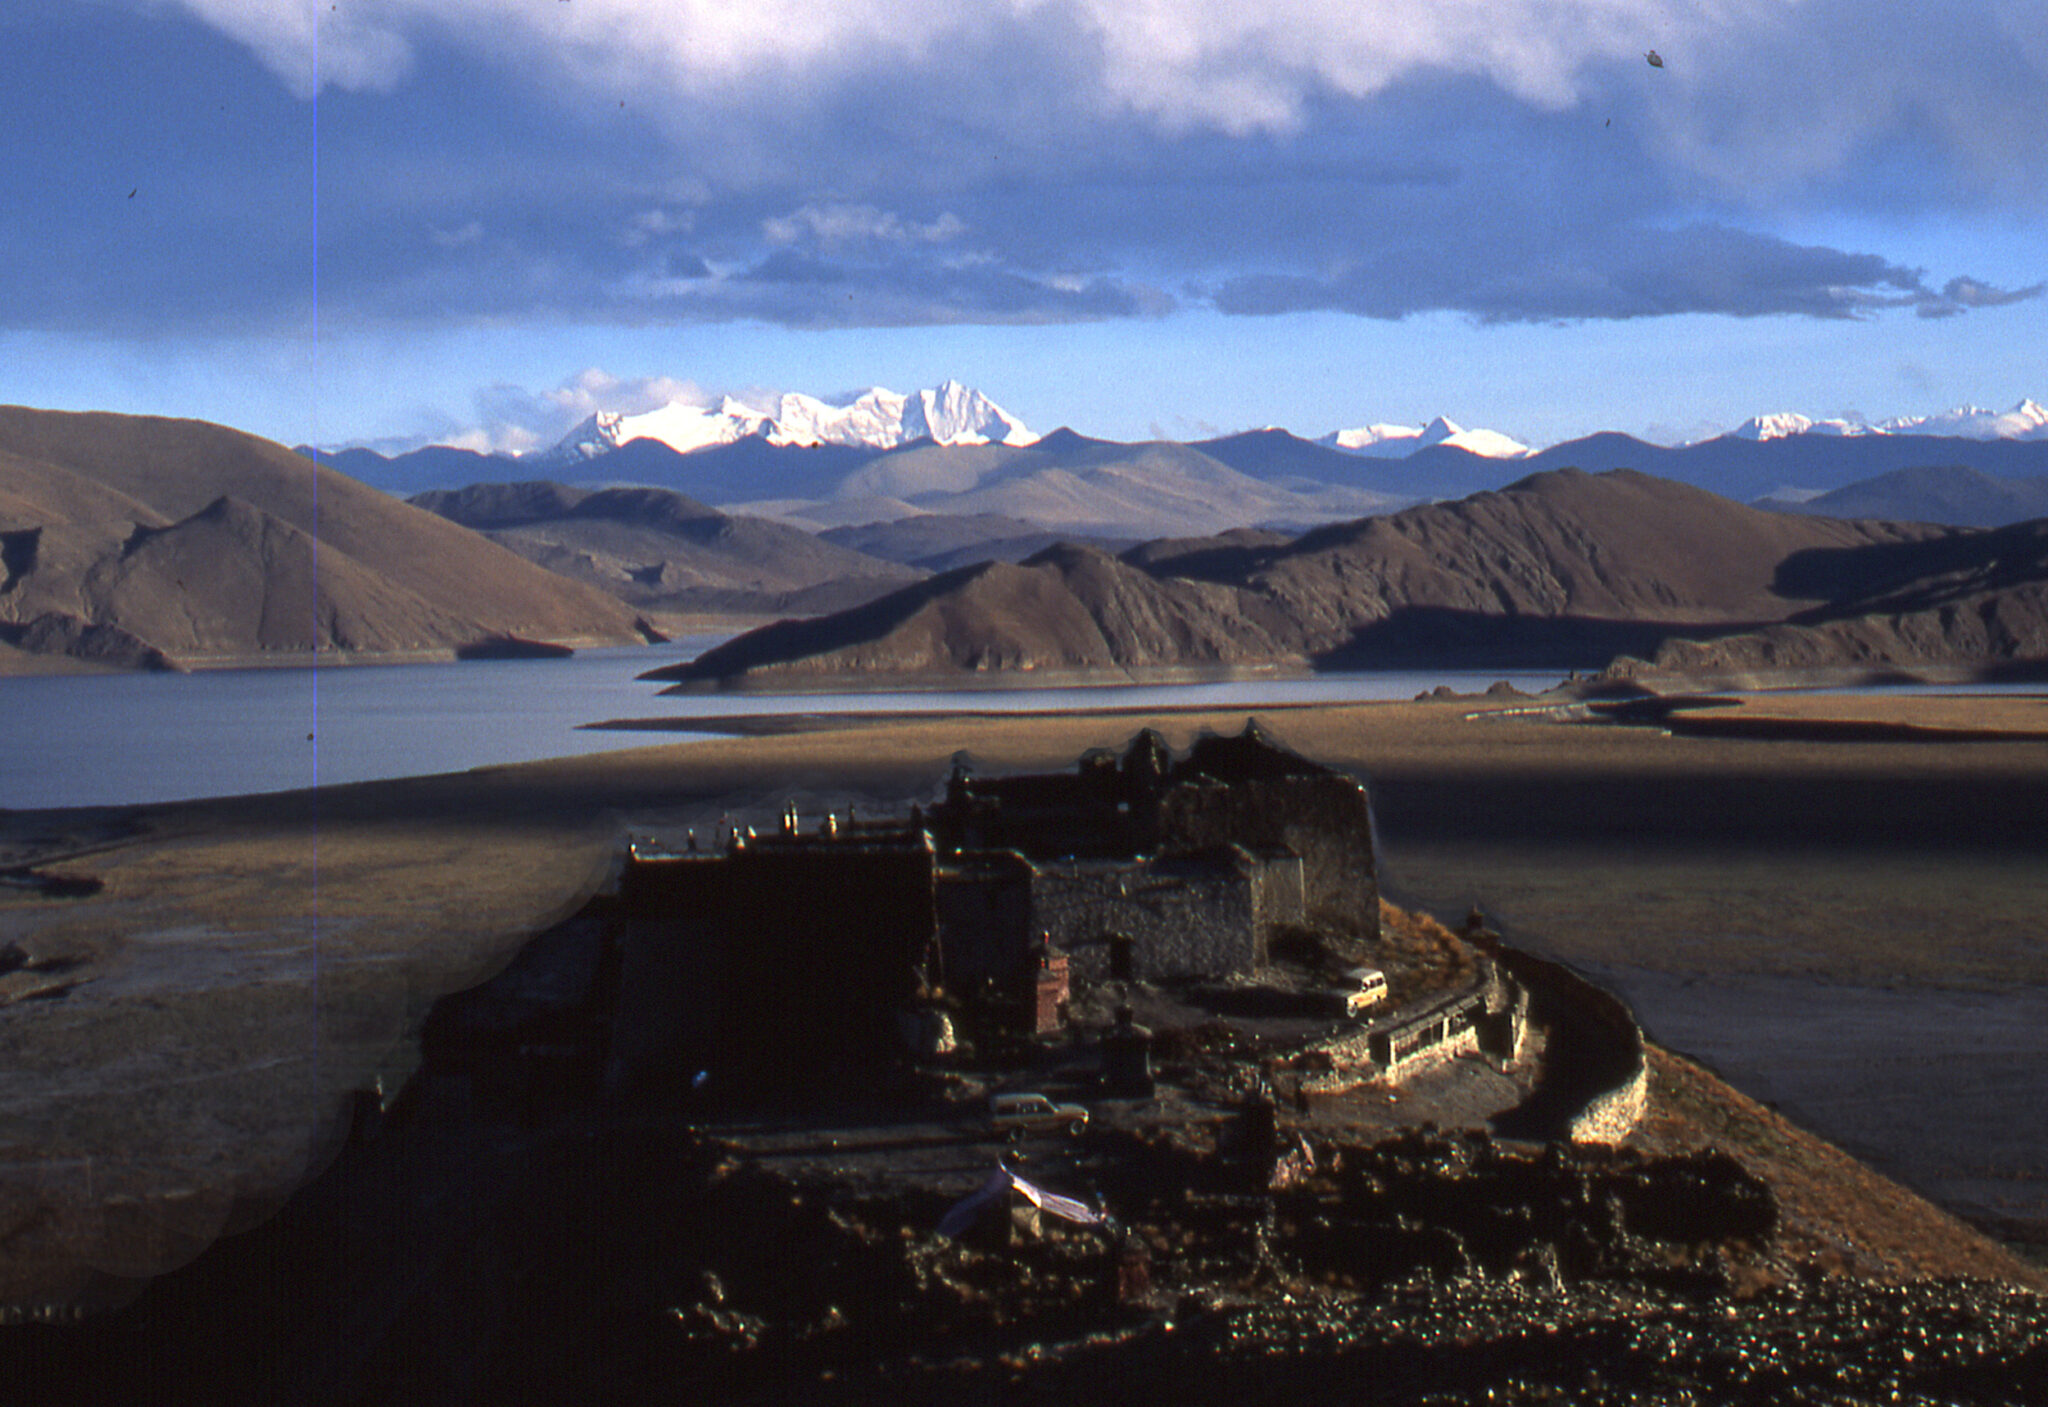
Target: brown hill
x: 663, y: 551
x: 1972, y: 600
x: 196, y: 543
x: 1068, y: 609
x: 1563, y: 569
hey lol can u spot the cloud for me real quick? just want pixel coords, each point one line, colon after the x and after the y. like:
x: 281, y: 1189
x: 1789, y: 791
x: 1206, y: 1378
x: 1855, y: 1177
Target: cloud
x: 1959, y: 294
x: 310, y: 46
x: 513, y: 419
x: 1182, y: 62
x: 1794, y: 87
x: 1627, y: 273
x: 460, y: 237
x: 1877, y: 103
x: 916, y: 162
x: 839, y: 224
x: 803, y: 290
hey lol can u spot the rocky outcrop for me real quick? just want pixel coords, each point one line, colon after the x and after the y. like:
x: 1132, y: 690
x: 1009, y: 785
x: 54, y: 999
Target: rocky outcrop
x: 1970, y: 601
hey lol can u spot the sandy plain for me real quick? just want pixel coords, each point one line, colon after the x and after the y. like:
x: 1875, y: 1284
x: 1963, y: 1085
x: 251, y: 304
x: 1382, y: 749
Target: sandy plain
x: 174, y: 1047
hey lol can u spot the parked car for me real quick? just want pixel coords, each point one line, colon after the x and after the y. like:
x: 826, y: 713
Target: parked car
x: 1362, y: 988
x: 1019, y: 1114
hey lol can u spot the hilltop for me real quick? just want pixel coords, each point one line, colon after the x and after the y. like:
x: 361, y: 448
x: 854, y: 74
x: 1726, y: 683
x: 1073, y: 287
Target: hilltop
x: 1562, y: 569
x: 140, y: 541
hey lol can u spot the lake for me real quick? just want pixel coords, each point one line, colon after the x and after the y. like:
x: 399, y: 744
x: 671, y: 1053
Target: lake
x: 123, y: 739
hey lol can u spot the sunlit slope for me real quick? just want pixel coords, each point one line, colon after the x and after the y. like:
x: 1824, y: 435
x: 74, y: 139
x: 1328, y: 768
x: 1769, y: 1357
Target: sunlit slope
x: 178, y: 539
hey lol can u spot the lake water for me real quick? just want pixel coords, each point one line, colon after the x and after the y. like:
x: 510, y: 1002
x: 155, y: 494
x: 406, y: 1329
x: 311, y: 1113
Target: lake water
x: 116, y: 739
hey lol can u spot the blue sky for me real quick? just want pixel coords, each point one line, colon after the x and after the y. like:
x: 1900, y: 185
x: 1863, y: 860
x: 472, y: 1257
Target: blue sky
x: 477, y: 220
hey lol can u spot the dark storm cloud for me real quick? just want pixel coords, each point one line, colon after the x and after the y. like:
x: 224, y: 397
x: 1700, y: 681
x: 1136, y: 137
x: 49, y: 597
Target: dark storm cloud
x: 1630, y: 273
x: 923, y: 162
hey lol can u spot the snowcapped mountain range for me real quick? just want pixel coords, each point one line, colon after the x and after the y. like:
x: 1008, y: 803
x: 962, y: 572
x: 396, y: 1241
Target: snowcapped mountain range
x: 951, y: 414
x: 2026, y: 421
x: 947, y: 414
x: 1400, y: 441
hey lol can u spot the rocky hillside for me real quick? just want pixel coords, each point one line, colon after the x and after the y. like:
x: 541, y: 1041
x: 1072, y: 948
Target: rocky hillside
x: 1563, y: 569
x: 663, y: 551
x: 133, y: 541
x: 1977, y: 601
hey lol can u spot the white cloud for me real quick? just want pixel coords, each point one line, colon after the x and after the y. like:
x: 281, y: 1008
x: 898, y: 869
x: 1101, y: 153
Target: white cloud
x: 656, y: 224
x: 516, y: 419
x: 836, y: 224
x: 594, y: 389
x: 1783, y: 91
x: 310, y: 45
x: 1217, y: 63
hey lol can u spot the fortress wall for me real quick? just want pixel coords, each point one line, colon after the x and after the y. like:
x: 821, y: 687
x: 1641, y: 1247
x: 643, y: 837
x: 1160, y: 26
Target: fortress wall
x: 1613, y: 1116
x: 1326, y: 820
x: 1602, y: 1063
x: 1278, y: 896
x: 1186, y: 918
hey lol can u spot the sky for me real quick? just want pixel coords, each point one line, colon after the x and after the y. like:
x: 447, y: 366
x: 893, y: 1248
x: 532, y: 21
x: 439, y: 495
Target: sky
x: 476, y: 221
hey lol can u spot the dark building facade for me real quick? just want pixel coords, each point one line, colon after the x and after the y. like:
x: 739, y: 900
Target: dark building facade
x: 1147, y: 867
x: 1140, y: 867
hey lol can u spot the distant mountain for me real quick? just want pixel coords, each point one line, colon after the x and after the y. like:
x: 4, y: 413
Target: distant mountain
x: 951, y: 451
x: 1070, y: 609
x: 669, y: 554
x: 947, y: 414
x: 140, y: 541
x: 1782, y: 423
x: 2028, y: 420
x: 1400, y: 441
x: 1562, y: 570
x: 1948, y: 493
x: 432, y: 467
x: 1075, y: 486
x: 1277, y: 457
x: 1749, y: 469
x: 738, y: 472
x: 2025, y: 421
x: 940, y: 542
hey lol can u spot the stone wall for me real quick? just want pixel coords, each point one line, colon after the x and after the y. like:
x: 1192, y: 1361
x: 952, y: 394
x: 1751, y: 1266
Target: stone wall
x: 1597, y: 1070
x: 1279, y: 893
x: 1187, y: 916
x: 1325, y: 819
x: 1612, y: 1116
